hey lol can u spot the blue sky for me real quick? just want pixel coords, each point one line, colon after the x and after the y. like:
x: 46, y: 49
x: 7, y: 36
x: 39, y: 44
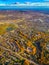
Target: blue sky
x: 21, y: 1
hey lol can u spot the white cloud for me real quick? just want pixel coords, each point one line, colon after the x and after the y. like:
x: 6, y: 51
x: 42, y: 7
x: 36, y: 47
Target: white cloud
x: 40, y: 4
x: 28, y: 4
x: 2, y: 4
x: 31, y: 4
